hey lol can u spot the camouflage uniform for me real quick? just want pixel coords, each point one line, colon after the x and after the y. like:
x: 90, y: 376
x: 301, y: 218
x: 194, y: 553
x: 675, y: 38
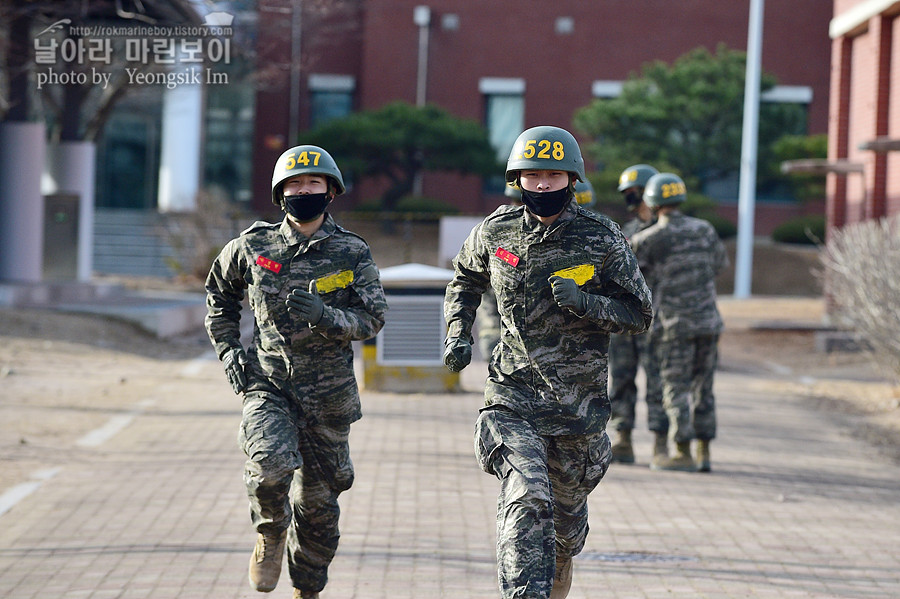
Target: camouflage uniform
x: 542, y: 430
x: 626, y: 352
x: 681, y: 257
x: 301, y: 394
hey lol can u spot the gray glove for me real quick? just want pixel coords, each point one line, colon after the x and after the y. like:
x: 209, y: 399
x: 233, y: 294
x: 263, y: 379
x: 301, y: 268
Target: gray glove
x: 457, y: 353
x: 568, y: 295
x: 234, y: 361
x: 306, y: 305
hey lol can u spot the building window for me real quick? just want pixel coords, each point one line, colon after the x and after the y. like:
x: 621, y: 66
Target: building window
x: 504, y: 102
x: 331, y: 97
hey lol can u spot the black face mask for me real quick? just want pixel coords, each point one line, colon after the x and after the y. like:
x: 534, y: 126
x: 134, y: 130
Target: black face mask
x: 548, y: 203
x: 306, y: 208
x: 633, y: 199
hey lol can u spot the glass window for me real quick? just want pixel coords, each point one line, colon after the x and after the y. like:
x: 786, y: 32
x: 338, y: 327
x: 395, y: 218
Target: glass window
x: 328, y: 105
x: 505, y: 120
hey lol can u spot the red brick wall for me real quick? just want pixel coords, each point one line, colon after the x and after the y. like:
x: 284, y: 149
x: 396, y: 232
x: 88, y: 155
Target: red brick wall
x: 377, y: 42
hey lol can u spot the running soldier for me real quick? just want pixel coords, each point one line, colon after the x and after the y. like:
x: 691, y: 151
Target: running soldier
x: 313, y: 289
x: 564, y: 278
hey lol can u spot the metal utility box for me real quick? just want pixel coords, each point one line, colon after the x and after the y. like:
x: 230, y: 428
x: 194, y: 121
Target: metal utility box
x: 406, y: 356
x: 60, y: 262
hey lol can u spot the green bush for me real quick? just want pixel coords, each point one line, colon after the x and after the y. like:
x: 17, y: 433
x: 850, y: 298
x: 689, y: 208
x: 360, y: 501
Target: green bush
x: 808, y: 229
x: 724, y: 227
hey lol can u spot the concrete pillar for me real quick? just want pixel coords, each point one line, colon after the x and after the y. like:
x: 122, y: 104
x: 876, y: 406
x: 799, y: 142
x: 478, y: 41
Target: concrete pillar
x: 22, y: 149
x: 181, y: 146
x: 71, y: 168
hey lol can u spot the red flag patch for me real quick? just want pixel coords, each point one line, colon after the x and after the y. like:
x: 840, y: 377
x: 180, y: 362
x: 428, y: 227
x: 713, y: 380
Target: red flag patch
x: 268, y: 264
x: 507, y: 256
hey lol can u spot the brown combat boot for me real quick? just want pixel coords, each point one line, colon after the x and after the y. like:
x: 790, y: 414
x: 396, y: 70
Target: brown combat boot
x: 298, y: 594
x: 622, y: 451
x: 703, y: 463
x: 681, y: 461
x: 265, y: 563
x: 660, y: 445
x: 562, y: 580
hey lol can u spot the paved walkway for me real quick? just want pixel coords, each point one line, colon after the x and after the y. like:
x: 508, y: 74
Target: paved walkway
x: 156, y: 508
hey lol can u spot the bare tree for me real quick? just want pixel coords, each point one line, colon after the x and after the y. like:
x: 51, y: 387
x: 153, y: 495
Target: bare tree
x: 862, y: 279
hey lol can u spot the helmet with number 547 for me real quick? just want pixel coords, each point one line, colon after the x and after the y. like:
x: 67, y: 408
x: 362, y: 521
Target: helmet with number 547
x: 305, y: 160
x: 545, y: 148
x: 664, y: 189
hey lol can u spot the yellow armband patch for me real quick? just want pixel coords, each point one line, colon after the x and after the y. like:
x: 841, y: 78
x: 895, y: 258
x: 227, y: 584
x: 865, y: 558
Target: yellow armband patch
x: 338, y: 280
x: 581, y: 274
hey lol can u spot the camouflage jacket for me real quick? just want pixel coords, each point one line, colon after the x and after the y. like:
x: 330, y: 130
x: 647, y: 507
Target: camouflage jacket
x: 312, y: 364
x: 681, y: 256
x: 515, y: 254
x: 633, y: 226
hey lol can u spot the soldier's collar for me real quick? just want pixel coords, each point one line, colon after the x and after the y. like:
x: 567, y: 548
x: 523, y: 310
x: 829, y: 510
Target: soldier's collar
x: 531, y: 223
x: 294, y: 237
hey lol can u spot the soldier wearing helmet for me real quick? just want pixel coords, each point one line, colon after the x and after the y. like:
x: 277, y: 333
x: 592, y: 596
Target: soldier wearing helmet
x: 313, y: 289
x: 564, y: 278
x: 626, y: 352
x: 681, y: 257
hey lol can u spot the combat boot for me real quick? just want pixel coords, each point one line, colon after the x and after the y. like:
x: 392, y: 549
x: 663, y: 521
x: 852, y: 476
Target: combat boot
x: 562, y: 580
x: 298, y: 594
x: 660, y: 445
x: 703, y: 463
x: 265, y: 563
x: 681, y: 461
x: 622, y: 451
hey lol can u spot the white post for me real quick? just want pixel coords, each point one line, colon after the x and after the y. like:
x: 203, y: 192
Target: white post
x: 749, y: 141
x: 181, y: 145
x: 22, y: 149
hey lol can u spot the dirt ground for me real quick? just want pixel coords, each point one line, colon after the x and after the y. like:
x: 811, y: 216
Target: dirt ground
x: 63, y: 375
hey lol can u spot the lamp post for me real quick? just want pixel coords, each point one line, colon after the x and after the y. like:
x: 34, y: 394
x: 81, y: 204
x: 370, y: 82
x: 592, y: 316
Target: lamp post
x: 749, y: 143
x: 422, y: 18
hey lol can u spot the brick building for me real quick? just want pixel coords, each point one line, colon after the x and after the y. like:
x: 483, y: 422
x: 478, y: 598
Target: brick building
x: 864, y: 121
x: 509, y: 64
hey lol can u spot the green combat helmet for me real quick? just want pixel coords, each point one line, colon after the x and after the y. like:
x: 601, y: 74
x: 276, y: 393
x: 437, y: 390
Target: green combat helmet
x: 545, y: 148
x: 305, y: 160
x: 584, y: 194
x: 664, y: 189
x: 636, y: 175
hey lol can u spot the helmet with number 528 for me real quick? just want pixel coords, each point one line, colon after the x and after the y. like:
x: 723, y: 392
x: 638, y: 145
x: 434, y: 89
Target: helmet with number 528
x: 545, y: 148
x: 664, y: 189
x: 305, y: 160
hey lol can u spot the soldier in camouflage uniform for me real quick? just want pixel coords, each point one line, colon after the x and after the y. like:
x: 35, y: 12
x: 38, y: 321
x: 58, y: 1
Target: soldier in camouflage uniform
x: 564, y: 278
x: 681, y: 257
x: 313, y: 289
x: 626, y: 352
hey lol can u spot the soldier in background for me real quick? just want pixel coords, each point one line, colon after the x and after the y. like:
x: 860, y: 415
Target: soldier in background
x: 313, y: 289
x: 626, y: 352
x: 564, y: 278
x: 681, y: 257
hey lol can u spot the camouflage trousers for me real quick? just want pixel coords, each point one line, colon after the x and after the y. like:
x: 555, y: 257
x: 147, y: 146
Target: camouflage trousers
x: 687, y: 367
x: 294, y: 474
x: 626, y: 352
x: 542, y: 507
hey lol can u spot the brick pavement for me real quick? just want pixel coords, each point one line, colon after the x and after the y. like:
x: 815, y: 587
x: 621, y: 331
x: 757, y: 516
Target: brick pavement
x: 793, y: 508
